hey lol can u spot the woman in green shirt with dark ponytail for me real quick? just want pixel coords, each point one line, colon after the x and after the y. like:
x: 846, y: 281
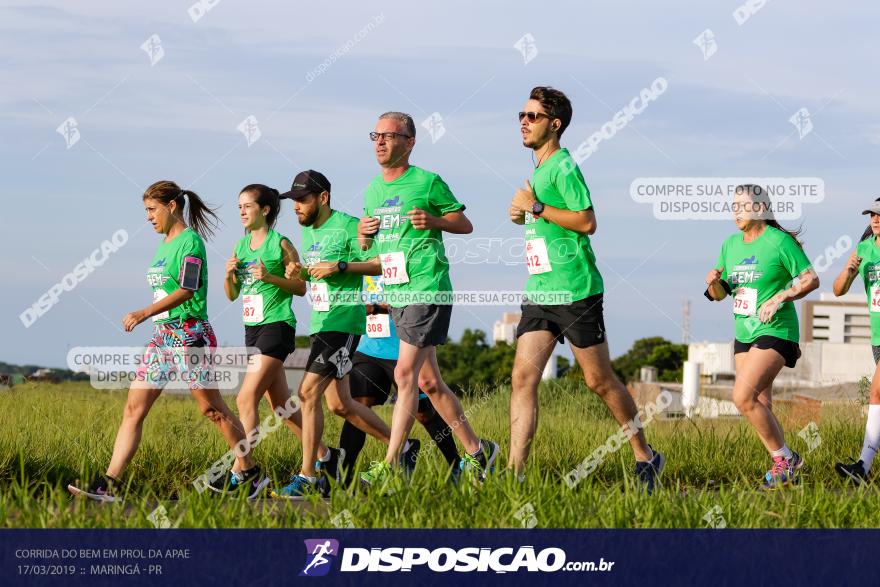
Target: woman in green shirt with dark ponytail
x: 182, y: 336
x: 256, y: 273
x: 756, y: 266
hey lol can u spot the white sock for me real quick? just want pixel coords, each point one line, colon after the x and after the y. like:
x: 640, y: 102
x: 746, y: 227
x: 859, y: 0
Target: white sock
x: 326, y: 456
x: 648, y: 460
x: 406, y: 446
x: 783, y: 452
x: 872, y: 436
x: 311, y: 479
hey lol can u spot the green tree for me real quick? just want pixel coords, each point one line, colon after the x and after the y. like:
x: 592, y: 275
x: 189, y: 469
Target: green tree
x: 654, y: 351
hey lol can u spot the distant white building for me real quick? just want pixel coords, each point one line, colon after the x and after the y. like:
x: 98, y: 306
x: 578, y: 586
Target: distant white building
x: 833, y: 319
x: 504, y: 330
x: 821, y: 363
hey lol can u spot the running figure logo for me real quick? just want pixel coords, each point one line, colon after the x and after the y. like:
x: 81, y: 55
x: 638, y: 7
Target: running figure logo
x: 317, y: 553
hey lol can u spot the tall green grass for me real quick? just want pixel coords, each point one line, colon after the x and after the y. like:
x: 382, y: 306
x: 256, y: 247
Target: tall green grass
x: 53, y: 434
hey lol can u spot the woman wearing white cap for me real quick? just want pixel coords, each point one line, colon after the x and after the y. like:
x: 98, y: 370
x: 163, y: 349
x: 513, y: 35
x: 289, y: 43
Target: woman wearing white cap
x: 866, y: 262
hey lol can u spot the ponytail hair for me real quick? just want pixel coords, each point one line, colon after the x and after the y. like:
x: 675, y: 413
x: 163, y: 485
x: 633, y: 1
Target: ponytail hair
x: 868, y: 232
x: 202, y: 218
x: 265, y: 196
x: 759, y: 195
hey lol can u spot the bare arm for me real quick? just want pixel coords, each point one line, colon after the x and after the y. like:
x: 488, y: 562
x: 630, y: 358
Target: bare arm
x: 172, y: 300
x: 845, y: 280
x: 294, y: 284
x: 582, y: 221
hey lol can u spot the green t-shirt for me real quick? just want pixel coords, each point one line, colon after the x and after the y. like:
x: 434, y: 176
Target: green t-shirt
x: 164, y: 275
x: 870, y: 272
x: 336, y: 240
x: 759, y: 270
x: 426, y: 264
x: 265, y: 303
x: 558, y: 182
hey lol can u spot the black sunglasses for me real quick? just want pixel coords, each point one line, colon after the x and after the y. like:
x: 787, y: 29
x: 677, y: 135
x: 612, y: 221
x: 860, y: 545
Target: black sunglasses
x: 533, y: 116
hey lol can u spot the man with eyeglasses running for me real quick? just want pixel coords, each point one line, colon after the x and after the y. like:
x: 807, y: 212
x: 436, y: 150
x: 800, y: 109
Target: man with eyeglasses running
x: 406, y: 211
x: 558, y: 216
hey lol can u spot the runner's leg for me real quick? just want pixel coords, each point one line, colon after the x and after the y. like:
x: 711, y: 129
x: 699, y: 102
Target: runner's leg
x: 600, y: 378
x: 533, y: 350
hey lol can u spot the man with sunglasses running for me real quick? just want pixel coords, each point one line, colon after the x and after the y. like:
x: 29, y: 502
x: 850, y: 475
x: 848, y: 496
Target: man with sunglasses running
x: 406, y: 211
x: 564, y: 289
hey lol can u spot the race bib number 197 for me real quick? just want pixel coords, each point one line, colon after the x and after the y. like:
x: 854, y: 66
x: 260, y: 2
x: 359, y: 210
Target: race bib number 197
x: 394, y: 268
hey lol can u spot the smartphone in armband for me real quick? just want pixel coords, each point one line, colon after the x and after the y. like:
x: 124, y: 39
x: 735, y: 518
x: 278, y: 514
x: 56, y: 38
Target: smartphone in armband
x: 190, y: 273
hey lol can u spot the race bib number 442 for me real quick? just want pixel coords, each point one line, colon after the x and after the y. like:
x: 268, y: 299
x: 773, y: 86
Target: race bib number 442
x: 537, y: 259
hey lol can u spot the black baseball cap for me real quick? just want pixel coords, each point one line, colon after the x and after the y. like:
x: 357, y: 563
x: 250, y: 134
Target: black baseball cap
x: 305, y: 183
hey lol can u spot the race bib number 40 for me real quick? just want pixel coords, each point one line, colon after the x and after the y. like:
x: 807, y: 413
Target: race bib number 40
x: 746, y: 301
x: 320, y: 296
x: 159, y: 294
x: 394, y: 268
x: 875, y: 298
x: 252, y: 309
x: 537, y: 259
x: 378, y: 326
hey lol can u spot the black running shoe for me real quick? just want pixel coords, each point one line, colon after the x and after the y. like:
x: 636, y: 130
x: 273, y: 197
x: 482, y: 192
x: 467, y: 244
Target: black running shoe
x: 332, y: 469
x: 409, y: 457
x: 648, y: 472
x: 100, y: 489
x: 853, y: 472
x: 250, y: 483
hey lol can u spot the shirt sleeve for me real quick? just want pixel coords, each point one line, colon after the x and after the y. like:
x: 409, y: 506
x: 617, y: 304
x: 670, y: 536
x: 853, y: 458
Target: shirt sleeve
x: 354, y: 247
x: 441, y: 198
x: 570, y: 183
x: 793, y: 257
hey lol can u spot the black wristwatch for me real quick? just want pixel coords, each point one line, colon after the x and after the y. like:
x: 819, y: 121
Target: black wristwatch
x: 537, y: 208
x: 342, y: 266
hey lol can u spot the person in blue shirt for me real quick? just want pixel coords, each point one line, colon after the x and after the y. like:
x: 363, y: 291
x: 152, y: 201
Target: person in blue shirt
x: 371, y: 380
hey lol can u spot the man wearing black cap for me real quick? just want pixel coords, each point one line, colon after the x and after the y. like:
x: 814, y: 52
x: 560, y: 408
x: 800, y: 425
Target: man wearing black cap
x: 334, y: 266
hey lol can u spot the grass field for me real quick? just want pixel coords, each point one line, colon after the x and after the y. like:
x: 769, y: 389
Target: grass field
x: 52, y: 434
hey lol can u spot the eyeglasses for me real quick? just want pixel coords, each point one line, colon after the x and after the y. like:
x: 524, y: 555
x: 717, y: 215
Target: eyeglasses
x: 533, y: 116
x: 388, y: 136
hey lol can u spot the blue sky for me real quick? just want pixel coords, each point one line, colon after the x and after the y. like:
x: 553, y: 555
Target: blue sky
x: 177, y: 119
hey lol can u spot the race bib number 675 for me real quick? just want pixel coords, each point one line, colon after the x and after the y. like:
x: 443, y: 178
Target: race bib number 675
x: 746, y: 301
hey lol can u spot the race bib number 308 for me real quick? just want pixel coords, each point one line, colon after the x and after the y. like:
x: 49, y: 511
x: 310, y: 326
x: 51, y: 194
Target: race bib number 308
x: 378, y: 326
